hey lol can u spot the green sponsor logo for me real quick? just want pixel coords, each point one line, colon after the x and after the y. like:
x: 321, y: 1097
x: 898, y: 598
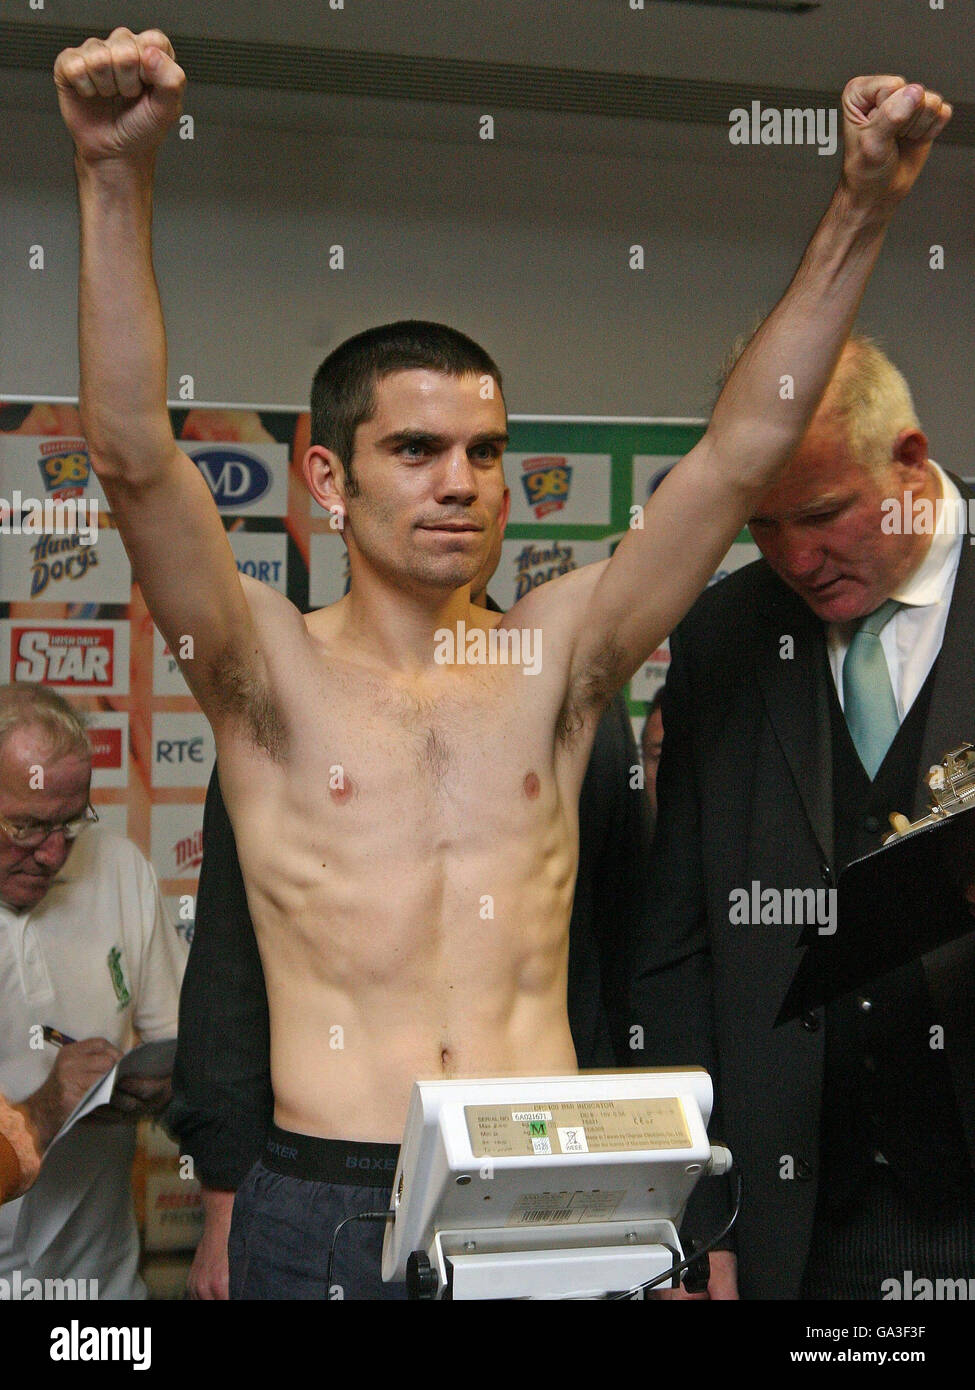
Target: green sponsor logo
x: 118, y: 978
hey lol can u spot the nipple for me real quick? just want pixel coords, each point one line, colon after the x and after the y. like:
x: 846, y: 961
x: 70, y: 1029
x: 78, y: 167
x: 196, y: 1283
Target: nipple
x: 341, y: 789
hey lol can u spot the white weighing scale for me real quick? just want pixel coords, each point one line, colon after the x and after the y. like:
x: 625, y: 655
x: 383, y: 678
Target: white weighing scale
x: 547, y: 1187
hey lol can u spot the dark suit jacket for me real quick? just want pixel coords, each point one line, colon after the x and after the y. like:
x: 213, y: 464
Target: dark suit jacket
x: 222, y: 1098
x: 745, y: 793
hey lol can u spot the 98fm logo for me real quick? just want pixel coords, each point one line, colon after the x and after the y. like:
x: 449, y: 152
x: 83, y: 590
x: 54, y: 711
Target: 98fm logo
x: 65, y: 467
x: 546, y: 479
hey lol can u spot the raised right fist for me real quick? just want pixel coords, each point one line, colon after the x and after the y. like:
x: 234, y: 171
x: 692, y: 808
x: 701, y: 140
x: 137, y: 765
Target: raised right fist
x: 119, y: 95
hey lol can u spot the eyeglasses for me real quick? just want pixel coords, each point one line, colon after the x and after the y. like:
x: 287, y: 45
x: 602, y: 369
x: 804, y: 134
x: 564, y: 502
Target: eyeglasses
x: 33, y: 836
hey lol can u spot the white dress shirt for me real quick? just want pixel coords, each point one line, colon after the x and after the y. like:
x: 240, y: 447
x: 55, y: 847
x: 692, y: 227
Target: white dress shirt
x: 96, y: 957
x: 912, y: 639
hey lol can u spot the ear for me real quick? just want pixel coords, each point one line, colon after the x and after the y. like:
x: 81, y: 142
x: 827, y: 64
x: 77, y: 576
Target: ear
x: 322, y: 469
x: 911, y: 452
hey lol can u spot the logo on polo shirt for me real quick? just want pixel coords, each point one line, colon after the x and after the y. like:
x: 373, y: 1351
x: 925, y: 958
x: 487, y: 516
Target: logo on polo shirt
x: 118, y: 978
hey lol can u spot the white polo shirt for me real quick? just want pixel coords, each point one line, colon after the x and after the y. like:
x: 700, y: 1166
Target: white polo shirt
x: 95, y: 958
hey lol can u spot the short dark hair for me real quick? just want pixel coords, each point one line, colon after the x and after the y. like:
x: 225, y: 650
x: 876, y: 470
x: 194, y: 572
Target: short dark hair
x: 343, y: 392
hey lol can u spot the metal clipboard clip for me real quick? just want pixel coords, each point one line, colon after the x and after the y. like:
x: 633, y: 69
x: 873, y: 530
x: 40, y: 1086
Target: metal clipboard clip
x: 952, y: 788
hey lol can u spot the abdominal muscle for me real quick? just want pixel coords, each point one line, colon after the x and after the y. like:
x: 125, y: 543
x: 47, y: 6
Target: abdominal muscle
x: 380, y: 973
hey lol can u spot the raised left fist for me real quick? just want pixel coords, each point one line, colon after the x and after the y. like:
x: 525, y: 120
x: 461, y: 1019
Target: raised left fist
x: 889, y: 126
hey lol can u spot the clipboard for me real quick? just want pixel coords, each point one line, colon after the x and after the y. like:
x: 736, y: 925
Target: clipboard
x: 900, y: 901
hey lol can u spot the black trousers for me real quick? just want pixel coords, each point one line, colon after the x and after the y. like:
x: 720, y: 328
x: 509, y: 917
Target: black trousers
x: 287, y: 1215
x: 886, y: 1243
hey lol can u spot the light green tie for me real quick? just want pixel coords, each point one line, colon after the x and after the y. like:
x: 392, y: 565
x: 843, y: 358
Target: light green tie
x: 868, y: 696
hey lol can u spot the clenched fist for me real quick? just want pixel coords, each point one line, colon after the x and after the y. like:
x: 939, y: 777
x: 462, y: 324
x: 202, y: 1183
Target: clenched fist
x: 889, y: 126
x: 119, y: 95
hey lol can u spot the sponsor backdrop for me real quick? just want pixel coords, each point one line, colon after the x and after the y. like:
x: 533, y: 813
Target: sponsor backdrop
x: 71, y: 617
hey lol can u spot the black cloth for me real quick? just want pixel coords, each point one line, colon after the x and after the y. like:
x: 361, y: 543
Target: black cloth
x: 289, y: 1213
x: 878, y: 1248
x: 886, y: 1089
x: 222, y: 1098
x: 745, y: 793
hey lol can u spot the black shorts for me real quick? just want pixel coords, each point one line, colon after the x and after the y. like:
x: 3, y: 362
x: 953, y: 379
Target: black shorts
x: 287, y: 1212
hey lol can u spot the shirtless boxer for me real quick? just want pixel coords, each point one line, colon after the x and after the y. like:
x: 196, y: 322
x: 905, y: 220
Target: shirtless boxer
x: 407, y: 829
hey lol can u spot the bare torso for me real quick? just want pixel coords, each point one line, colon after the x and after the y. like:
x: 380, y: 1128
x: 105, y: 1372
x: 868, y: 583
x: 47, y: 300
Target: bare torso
x: 410, y: 862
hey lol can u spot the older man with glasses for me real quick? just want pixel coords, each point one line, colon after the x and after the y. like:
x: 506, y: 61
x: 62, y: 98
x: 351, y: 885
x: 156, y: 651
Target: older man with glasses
x: 87, y: 961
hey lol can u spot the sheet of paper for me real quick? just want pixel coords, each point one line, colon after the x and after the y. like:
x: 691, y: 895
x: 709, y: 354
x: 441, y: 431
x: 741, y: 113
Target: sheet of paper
x: 150, y: 1059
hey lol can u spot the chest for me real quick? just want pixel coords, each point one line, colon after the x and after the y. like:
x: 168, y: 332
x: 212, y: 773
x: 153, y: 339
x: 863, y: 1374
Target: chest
x: 440, y: 733
x: 412, y: 769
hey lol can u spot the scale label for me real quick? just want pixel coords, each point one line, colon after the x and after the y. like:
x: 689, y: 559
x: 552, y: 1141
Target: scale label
x: 563, y: 1208
x: 576, y: 1127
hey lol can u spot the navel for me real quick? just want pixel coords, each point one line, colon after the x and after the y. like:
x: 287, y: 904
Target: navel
x: 532, y: 785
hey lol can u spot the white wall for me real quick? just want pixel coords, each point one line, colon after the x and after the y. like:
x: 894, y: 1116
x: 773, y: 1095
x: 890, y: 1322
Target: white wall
x: 522, y: 243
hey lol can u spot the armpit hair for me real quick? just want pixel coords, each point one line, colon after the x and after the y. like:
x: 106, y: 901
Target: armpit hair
x: 592, y: 690
x: 248, y: 701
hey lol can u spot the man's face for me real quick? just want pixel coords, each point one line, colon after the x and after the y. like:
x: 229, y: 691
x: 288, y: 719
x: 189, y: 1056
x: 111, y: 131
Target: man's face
x: 819, y: 527
x: 26, y: 874
x: 431, y: 500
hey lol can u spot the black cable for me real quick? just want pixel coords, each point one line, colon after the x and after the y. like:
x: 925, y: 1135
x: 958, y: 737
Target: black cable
x: 359, y: 1216
x: 650, y: 1283
x: 686, y: 1263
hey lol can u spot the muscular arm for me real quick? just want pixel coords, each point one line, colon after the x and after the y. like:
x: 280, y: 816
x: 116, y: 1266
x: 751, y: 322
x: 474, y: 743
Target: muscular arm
x: 639, y: 595
x: 118, y: 99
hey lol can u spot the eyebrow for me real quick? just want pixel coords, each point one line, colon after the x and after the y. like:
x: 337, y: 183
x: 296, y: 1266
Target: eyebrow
x: 438, y: 441
x: 821, y: 504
